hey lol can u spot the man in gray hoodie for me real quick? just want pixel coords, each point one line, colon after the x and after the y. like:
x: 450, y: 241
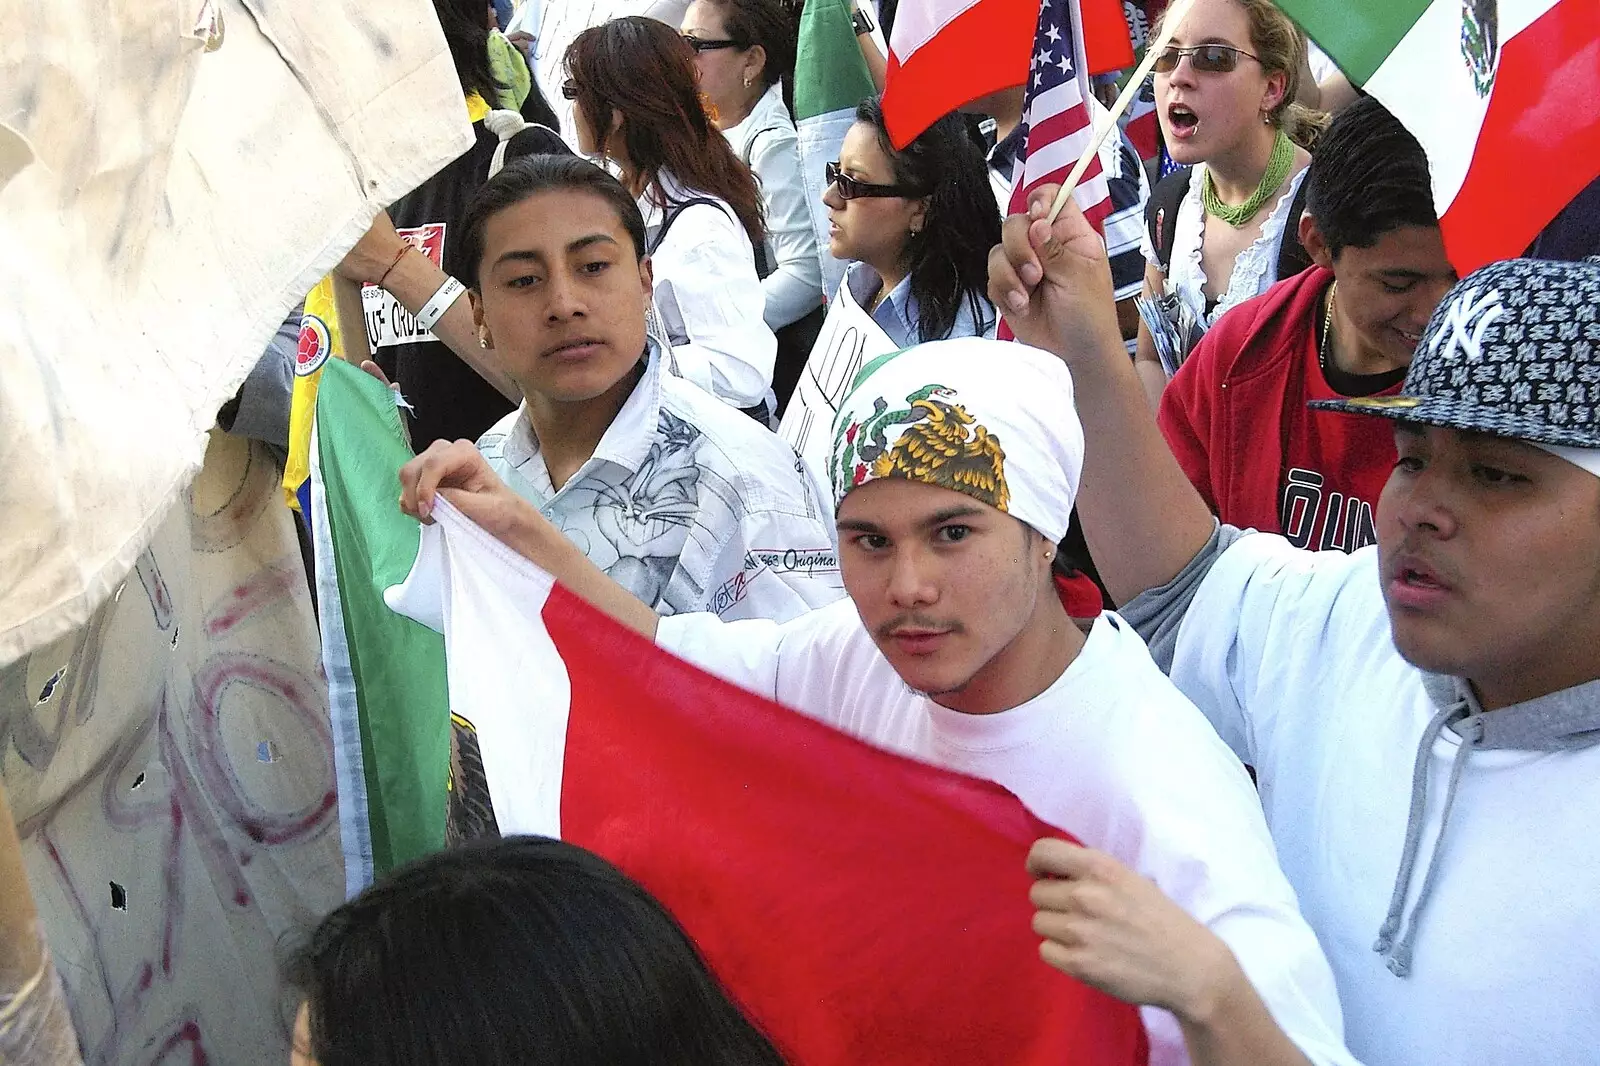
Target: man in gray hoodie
x: 1423, y: 715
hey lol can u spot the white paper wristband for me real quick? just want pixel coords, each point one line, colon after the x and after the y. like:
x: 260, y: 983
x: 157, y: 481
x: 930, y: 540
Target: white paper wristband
x: 439, y: 303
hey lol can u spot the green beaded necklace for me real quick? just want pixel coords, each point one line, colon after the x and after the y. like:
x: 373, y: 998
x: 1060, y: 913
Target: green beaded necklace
x: 1278, y: 165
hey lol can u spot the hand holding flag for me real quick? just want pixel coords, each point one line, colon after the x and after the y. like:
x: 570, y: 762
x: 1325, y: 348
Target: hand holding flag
x: 458, y: 473
x: 1114, y: 930
x: 1108, y: 927
x: 1052, y: 280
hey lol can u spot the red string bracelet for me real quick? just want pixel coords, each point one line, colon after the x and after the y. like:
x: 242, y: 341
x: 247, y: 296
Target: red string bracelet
x: 405, y: 246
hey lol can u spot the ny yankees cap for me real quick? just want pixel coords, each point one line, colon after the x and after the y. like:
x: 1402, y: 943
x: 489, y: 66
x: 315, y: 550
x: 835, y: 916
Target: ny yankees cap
x: 1513, y: 351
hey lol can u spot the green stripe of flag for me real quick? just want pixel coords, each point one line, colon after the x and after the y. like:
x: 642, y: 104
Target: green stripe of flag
x: 398, y: 665
x: 1357, y: 34
x: 829, y: 73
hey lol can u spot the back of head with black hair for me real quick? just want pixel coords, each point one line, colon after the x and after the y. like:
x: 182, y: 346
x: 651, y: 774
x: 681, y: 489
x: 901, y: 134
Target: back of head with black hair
x: 529, y: 176
x: 510, y: 952
x: 537, y: 140
x: 1368, y: 176
x: 466, y: 32
x: 949, y: 256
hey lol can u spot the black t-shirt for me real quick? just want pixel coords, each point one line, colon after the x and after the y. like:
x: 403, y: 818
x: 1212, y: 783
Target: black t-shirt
x: 450, y: 400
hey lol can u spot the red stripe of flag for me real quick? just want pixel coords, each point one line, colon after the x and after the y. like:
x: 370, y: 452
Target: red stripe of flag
x: 861, y: 906
x: 985, y: 49
x: 1539, y: 145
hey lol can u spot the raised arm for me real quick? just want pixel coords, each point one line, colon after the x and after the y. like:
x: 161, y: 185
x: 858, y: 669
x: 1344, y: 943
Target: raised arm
x: 412, y: 279
x: 1142, y: 519
x: 877, y: 65
x: 462, y: 475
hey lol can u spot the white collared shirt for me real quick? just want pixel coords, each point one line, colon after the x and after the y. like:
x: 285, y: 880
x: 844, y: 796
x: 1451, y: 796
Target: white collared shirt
x: 897, y: 313
x: 708, y: 297
x: 686, y: 503
x: 767, y: 141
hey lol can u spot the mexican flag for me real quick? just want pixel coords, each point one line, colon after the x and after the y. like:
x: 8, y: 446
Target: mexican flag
x: 830, y: 79
x: 1502, y: 96
x: 387, y: 694
x: 944, y: 54
x: 860, y: 906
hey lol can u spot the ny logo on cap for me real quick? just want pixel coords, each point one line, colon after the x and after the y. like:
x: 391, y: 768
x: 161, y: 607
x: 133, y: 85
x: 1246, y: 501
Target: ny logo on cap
x: 1465, y: 321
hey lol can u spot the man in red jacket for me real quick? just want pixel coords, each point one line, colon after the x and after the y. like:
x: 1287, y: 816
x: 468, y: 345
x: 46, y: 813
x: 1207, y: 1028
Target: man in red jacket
x: 1235, y: 414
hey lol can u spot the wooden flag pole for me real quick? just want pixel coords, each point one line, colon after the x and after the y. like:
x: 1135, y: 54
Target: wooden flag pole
x: 1169, y: 26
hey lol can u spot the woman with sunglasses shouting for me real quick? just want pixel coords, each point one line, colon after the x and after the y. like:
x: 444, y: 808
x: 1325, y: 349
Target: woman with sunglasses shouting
x: 744, y: 53
x: 637, y: 105
x: 917, y: 226
x: 1220, y: 230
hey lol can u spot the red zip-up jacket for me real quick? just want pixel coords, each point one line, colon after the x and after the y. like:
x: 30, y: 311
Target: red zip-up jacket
x: 1235, y: 417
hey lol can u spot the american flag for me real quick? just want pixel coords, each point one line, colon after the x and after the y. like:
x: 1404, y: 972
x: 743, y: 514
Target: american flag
x: 1055, y: 115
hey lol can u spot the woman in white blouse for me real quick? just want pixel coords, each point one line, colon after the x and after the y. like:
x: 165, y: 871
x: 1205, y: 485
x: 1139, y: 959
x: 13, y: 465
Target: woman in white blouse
x: 637, y: 104
x: 744, y: 52
x: 1225, y: 92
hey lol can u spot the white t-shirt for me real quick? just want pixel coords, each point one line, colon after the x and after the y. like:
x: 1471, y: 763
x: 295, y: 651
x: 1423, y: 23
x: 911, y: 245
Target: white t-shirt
x: 1110, y: 753
x: 1322, y: 66
x: 1290, y: 655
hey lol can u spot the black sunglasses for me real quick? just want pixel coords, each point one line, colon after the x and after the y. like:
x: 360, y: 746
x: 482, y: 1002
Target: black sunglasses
x: 569, y: 89
x: 1205, y: 58
x: 701, y: 45
x: 850, y: 189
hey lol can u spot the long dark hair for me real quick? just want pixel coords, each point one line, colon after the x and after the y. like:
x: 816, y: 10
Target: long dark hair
x: 772, y: 26
x: 949, y: 256
x: 641, y: 68
x: 466, y: 32
x: 509, y: 952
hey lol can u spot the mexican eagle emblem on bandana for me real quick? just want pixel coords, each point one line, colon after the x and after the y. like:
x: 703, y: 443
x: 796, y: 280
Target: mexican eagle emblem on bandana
x: 935, y: 442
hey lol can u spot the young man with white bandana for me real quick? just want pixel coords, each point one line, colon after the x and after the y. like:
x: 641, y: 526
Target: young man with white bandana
x: 955, y: 464
x: 1424, y: 714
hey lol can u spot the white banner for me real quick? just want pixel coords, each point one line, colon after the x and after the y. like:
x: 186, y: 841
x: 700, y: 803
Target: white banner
x: 174, y: 177
x: 849, y: 338
x: 171, y: 772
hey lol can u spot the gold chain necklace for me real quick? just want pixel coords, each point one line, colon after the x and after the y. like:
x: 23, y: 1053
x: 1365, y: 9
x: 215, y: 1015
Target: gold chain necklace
x: 1327, y: 325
